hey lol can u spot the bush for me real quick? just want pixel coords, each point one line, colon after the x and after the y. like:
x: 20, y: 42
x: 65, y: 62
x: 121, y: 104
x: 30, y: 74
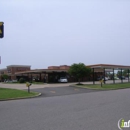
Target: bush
x: 21, y: 80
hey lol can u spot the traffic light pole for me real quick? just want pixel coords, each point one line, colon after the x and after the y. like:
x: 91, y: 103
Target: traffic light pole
x: 1, y: 29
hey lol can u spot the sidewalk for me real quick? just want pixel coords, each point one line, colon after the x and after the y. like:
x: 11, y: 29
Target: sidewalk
x: 33, y: 86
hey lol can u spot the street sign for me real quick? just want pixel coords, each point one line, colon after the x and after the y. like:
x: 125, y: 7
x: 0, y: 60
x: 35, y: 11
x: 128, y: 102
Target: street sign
x: 1, y: 29
x: 28, y: 85
x: 101, y: 81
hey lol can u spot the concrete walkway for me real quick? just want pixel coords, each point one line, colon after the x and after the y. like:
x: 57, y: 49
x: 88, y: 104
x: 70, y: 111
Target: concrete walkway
x: 33, y: 86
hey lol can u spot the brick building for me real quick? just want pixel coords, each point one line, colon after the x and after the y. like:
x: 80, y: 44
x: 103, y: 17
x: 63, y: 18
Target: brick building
x: 12, y: 69
x: 53, y: 73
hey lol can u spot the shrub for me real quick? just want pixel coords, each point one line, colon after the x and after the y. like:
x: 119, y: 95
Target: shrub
x: 21, y: 80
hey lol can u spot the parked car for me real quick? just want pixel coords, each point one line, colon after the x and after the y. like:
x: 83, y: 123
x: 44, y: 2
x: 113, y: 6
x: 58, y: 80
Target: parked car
x: 109, y: 78
x: 99, y: 78
x: 15, y: 81
x: 127, y: 77
x: 63, y: 80
x: 102, y: 78
x: 105, y: 78
x: 122, y: 77
x: 8, y: 81
x: 116, y: 78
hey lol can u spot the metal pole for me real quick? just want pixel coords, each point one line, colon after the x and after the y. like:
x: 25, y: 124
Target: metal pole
x: 104, y: 76
x: 121, y: 77
x: 40, y: 77
x: 28, y: 89
x: 31, y: 77
x: 113, y: 77
x: 128, y: 74
x: 93, y: 77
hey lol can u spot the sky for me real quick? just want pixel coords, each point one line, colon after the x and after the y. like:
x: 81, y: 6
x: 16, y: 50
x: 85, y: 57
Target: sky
x: 44, y: 33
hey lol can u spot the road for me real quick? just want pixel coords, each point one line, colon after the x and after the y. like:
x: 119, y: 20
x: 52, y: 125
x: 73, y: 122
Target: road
x: 84, y: 111
x: 60, y: 91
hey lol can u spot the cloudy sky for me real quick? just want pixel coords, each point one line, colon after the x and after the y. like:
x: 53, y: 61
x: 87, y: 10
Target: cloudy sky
x: 43, y: 33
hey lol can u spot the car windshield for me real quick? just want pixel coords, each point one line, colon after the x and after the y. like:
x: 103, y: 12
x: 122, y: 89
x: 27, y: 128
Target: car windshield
x: 62, y: 78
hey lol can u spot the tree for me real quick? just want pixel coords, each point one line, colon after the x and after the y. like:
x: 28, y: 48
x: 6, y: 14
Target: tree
x: 21, y: 80
x: 79, y: 71
x: 4, y: 77
x: 124, y: 73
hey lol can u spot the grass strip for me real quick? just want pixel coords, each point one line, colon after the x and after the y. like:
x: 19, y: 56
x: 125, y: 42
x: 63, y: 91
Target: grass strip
x: 105, y: 86
x: 6, y: 93
x: 23, y: 83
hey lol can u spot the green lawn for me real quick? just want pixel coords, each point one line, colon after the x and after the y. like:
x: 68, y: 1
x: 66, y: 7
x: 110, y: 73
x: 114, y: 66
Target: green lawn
x: 105, y: 86
x: 24, y: 83
x: 6, y: 93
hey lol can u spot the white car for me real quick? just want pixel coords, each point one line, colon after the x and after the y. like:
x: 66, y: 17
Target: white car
x: 8, y: 81
x: 116, y: 78
x: 63, y: 80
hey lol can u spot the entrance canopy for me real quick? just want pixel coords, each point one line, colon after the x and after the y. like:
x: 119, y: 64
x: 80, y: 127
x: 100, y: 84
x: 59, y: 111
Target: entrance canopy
x: 40, y: 71
x: 41, y: 74
x: 109, y: 66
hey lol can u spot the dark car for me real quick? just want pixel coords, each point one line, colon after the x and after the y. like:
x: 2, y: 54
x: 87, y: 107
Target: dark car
x: 102, y: 78
x: 122, y: 77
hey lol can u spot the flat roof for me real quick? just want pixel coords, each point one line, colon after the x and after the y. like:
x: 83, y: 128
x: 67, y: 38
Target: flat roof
x: 19, y: 66
x: 109, y: 66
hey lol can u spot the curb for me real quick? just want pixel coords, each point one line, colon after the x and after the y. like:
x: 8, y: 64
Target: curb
x: 39, y: 94
x: 90, y: 88
x: 97, y: 88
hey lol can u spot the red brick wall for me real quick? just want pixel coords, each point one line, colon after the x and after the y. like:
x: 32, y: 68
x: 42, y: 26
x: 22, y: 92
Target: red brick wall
x: 12, y: 70
x: 53, y: 67
x: 64, y: 67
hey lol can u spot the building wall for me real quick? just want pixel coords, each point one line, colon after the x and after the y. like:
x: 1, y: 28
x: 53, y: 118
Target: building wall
x: 2, y: 71
x: 11, y: 70
x: 64, y: 67
x: 61, y: 67
x: 53, y: 67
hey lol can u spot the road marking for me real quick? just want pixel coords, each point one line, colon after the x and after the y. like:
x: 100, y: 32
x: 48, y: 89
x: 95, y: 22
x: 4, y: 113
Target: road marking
x: 76, y: 89
x: 53, y: 91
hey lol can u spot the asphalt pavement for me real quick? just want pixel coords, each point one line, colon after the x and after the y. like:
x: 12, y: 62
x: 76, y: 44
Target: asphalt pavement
x: 61, y: 91
x: 85, y: 111
x: 66, y: 108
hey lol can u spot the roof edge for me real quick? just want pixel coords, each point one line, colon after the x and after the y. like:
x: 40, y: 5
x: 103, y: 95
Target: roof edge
x: 18, y: 66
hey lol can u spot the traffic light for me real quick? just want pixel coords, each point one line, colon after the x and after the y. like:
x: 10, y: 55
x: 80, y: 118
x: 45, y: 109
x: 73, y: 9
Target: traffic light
x: 1, y: 29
